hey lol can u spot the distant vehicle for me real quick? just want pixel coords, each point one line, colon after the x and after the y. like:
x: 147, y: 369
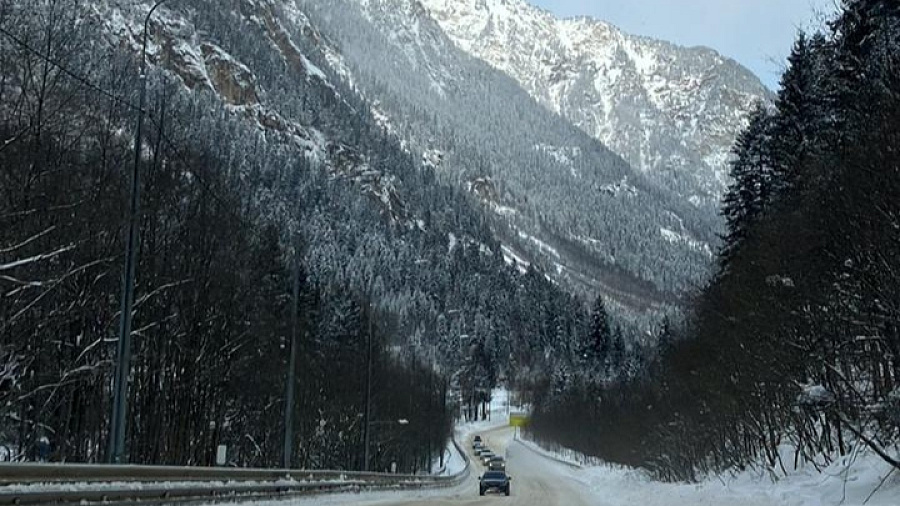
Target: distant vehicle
x: 476, y: 441
x: 486, y: 457
x: 497, y: 463
x: 494, y: 480
x: 481, y: 450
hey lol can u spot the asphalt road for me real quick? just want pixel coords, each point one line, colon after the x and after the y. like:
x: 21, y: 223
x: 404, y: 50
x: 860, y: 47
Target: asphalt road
x: 536, y: 481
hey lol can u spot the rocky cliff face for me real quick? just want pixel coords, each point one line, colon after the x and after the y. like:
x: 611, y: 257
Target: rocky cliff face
x: 671, y: 112
x: 472, y: 89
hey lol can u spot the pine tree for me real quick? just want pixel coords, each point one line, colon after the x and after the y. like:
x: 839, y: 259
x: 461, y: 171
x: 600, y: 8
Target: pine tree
x: 665, y: 338
x: 863, y: 35
x: 799, y: 114
x: 617, y: 353
x: 597, y: 345
x: 751, y: 174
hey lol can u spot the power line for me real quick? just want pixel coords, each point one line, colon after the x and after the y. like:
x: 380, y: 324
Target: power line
x: 173, y: 147
x: 118, y: 99
x: 84, y: 81
x: 118, y: 420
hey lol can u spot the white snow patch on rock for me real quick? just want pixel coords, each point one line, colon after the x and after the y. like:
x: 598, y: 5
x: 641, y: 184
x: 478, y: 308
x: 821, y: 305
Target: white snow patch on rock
x: 512, y: 258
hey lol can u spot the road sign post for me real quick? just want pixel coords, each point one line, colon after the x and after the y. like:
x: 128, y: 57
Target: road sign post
x: 221, y: 455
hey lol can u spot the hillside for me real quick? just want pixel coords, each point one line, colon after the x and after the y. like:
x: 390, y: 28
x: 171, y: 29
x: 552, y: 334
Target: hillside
x: 554, y: 196
x: 671, y: 112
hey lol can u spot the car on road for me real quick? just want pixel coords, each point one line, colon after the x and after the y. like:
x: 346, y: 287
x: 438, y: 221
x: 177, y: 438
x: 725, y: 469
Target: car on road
x: 486, y: 457
x: 481, y: 450
x: 497, y: 463
x: 476, y: 442
x: 494, y: 480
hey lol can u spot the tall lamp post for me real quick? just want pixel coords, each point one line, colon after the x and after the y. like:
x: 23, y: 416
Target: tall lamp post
x: 290, y: 387
x: 123, y: 352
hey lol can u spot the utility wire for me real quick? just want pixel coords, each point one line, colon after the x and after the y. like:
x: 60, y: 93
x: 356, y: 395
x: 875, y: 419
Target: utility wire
x: 82, y: 80
x: 121, y: 100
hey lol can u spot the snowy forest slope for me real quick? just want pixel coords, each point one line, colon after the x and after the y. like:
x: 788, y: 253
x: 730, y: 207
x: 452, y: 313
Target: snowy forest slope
x: 554, y: 195
x: 790, y: 357
x: 259, y: 165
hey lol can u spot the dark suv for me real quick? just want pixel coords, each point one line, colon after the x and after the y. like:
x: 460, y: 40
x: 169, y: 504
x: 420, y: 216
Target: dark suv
x: 494, y: 480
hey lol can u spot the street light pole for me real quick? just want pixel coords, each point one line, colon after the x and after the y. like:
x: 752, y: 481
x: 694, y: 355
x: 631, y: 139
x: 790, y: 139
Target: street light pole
x: 367, y: 428
x: 292, y: 369
x: 123, y: 351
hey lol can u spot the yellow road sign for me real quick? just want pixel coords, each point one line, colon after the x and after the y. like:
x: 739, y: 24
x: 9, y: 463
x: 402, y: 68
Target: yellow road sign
x: 519, y: 419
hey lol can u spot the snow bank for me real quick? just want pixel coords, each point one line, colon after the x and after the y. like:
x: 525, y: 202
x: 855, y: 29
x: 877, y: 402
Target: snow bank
x: 455, y: 462
x: 860, y: 478
x: 562, y: 455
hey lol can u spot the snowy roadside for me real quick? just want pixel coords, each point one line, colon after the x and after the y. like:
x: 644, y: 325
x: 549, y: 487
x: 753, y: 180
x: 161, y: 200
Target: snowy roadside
x: 455, y: 463
x: 561, y: 455
x: 499, y: 417
x: 498, y: 410
x: 854, y: 480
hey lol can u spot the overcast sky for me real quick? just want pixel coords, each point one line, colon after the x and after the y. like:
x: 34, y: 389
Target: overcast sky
x: 757, y: 33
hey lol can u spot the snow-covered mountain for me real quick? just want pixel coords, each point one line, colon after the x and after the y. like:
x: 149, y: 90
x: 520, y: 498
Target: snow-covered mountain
x: 324, y: 153
x: 670, y: 111
x: 553, y: 195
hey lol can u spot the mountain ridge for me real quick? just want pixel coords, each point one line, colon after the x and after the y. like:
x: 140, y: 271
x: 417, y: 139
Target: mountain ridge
x: 554, y: 196
x: 646, y: 99
x: 549, y: 183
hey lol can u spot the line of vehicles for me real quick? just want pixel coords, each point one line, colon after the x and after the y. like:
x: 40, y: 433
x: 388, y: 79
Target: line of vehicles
x: 494, y: 478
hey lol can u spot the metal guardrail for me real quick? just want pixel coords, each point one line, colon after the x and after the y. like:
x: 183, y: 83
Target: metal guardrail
x: 166, y: 494
x: 467, y: 469
x: 30, y: 484
x: 63, y: 473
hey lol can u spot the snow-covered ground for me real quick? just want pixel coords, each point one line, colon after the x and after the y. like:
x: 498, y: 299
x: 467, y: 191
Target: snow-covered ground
x: 566, y: 478
x: 498, y: 409
x: 455, y: 463
x: 856, y: 480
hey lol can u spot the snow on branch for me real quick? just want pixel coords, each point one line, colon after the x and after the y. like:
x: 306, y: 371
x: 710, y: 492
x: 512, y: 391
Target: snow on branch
x: 870, y: 442
x: 36, y: 258
x: 28, y: 241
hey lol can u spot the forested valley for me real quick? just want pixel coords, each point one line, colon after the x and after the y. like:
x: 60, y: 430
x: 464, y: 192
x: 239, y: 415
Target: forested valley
x: 416, y: 239
x: 255, y: 179
x: 791, y: 354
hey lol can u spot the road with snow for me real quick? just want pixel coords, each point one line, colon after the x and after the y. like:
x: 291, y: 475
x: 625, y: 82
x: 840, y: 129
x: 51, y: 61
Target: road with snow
x: 536, y: 480
x: 541, y: 478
